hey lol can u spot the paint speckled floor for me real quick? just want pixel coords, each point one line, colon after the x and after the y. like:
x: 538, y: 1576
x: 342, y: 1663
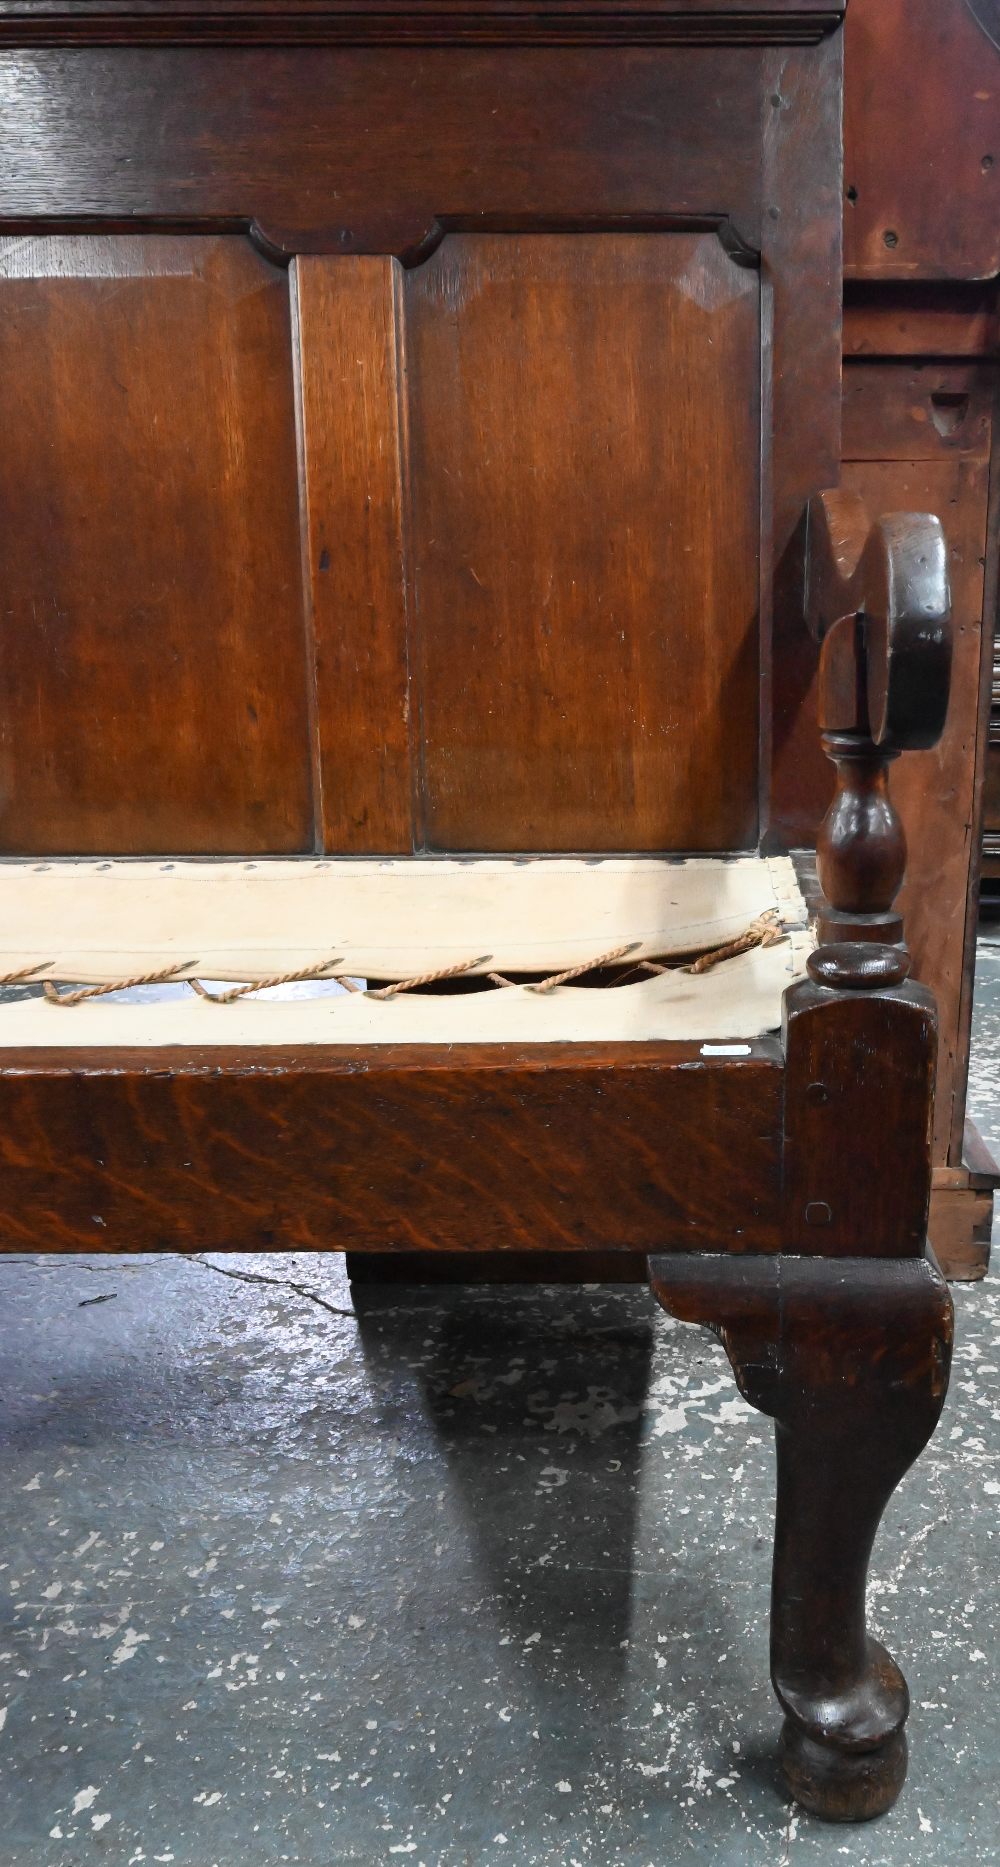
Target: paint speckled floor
x: 478, y: 1579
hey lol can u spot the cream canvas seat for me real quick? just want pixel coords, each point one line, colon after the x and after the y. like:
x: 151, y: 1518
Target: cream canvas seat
x: 418, y: 922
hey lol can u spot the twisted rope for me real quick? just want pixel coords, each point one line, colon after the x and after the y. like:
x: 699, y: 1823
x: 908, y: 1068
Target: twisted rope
x: 590, y: 965
x: 117, y: 985
x: 26, y: 972
x: 428, y: 978
x: 766, y: 930
x: 319, y: 971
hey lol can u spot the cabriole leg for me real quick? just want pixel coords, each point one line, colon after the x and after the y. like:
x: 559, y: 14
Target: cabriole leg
x: 851, y: 1358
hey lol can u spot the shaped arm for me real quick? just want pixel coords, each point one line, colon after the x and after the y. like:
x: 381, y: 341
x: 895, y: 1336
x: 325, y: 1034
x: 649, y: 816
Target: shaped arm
x: 878, y: 599
x: 888, y: 580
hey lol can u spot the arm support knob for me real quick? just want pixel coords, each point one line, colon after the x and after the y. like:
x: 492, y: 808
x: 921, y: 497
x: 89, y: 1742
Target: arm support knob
x: 891, y: 577
x: 878, y: 600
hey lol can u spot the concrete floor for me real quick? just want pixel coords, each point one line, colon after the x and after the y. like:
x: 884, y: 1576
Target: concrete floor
x: 478, y: 1579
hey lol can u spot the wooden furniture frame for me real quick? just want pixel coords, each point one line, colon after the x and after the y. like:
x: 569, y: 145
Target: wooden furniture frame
x: 372, y: 175
x: 921, y: 265
x: 920, y: 383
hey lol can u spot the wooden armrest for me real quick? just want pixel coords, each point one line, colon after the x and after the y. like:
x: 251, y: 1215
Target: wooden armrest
x: 878, y: 597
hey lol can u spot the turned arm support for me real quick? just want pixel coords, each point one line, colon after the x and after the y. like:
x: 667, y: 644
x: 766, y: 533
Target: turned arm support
x: 878, y: 600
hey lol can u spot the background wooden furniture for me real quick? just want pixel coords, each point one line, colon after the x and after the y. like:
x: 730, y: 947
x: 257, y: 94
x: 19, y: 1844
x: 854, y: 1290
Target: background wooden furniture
x: 921, y: 259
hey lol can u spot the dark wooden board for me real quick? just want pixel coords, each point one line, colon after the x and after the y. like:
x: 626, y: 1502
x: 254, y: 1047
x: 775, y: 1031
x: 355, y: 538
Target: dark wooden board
x: 944, y: 320
x: 614, y: 22
x: 478, y: 1148
x: 917, y: 409
x: 336, y: 151
x: 348, y: 367
x: 859, y: 1083
x: 922, y: 136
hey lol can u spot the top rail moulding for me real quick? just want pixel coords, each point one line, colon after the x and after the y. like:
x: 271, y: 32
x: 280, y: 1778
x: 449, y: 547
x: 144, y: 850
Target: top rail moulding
x: 25, y: 23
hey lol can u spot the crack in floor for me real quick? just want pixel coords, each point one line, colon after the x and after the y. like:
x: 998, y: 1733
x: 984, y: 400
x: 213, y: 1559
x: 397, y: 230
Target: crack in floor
x: 790, y: 1832
x: 99, y: 1269
x: 276, y: 1283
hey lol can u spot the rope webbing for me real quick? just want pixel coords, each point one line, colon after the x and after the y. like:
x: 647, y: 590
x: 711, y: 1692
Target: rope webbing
x: 766, y: 930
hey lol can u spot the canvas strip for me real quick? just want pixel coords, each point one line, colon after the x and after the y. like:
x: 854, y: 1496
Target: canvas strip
x: 739, y: 999
x: 95, y: 921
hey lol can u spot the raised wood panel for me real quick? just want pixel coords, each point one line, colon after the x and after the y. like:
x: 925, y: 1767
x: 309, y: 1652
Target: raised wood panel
x: 519, y: 460
x: 152, y: 652
x: 584, y: 541
x: 347, y: 358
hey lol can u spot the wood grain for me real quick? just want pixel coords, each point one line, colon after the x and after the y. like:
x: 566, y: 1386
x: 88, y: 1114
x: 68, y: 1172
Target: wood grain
x: 340, y: 151
x: 922, y: 135
x: 859, y: 1085
x: 152, y: 649
x: 922, y: 251
x: 922, y: 161
x: 560, y: 1148
x: 910, y: 409
x: 961, y: 1219
x: 802, y: 363
x: 960, y: 1229
x: 587, y: 654
x: 943, y: 320
x: 350, y: 436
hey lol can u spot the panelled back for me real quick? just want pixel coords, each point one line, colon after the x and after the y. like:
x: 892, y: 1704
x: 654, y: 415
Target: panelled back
x: 449, y: 526
x: 151, y: 655
x: 584, y: 540
x: 519, y: 630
